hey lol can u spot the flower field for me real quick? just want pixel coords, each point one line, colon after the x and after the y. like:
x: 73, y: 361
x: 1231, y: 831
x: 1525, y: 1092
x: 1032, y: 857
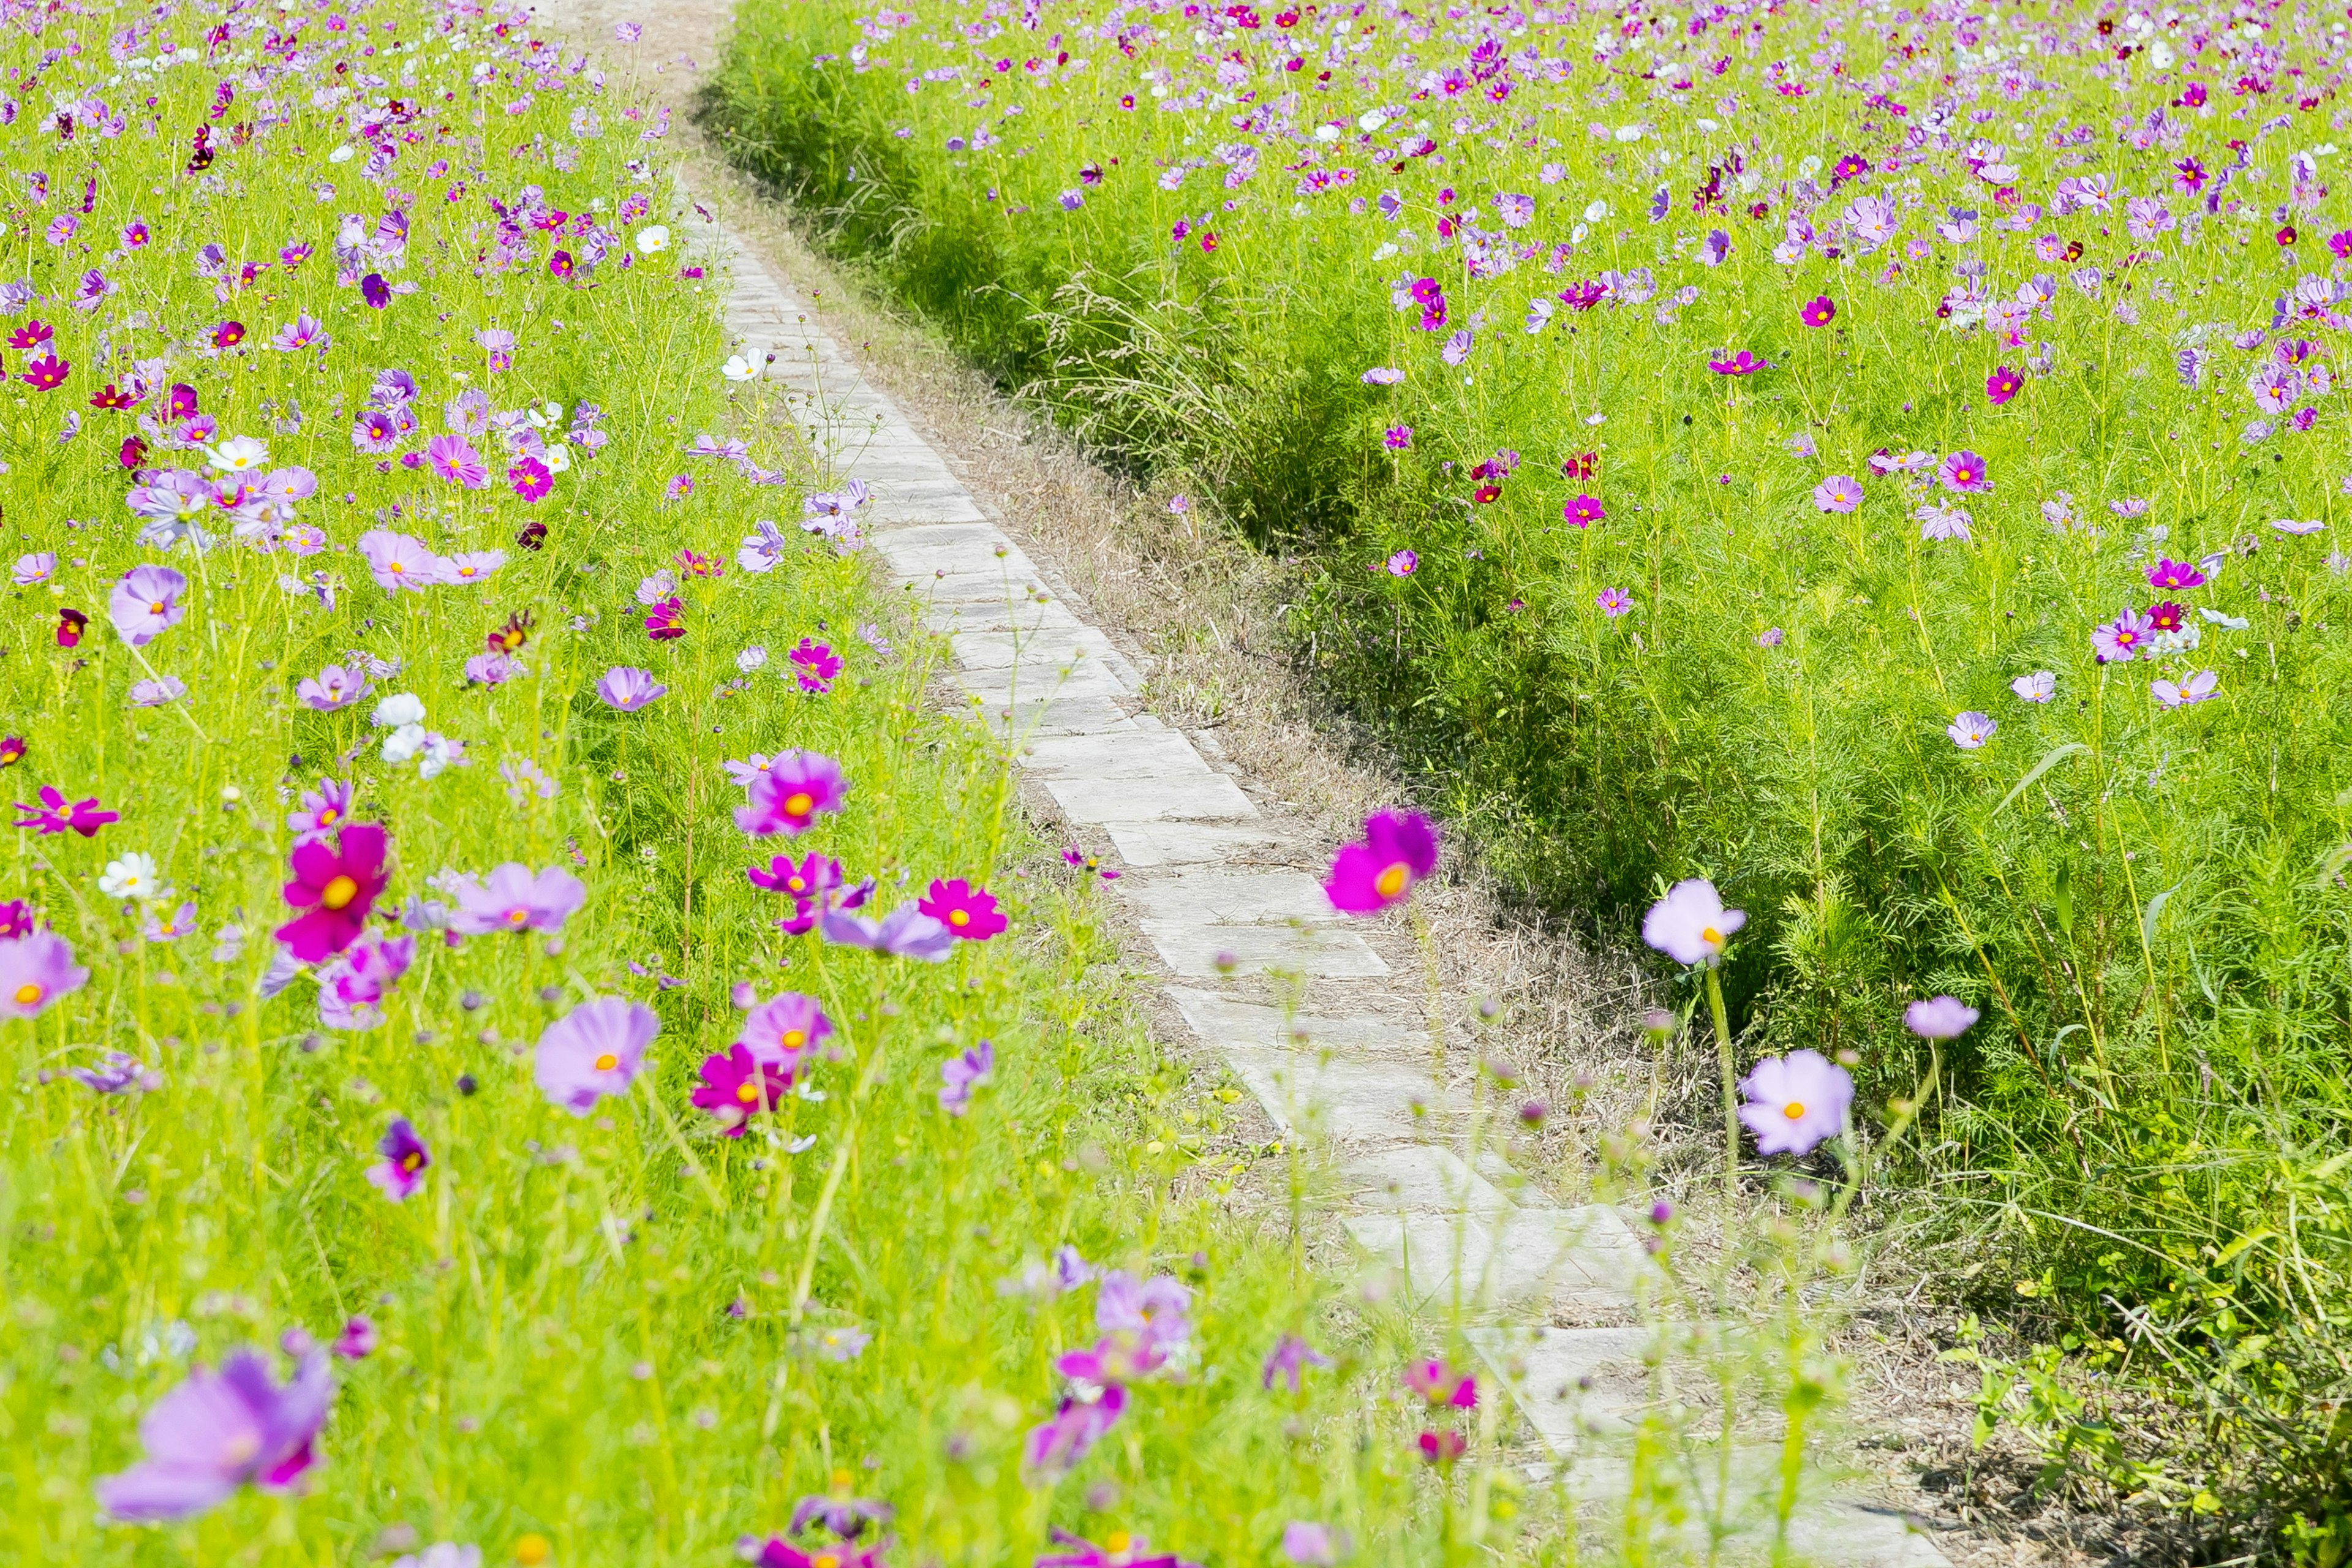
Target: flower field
x: 527, y: 1039
x: 1883, y: 459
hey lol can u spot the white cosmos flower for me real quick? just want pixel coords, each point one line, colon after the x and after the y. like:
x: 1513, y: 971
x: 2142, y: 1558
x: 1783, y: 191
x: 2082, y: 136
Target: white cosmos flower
x: 341, y: 155
x: 738, y: 368
x: 403, y: 712
x: 405, y: 743
x: 133, y: 877
x: 651, y: 238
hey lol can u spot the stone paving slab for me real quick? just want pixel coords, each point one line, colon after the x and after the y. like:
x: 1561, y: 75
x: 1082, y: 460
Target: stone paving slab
x: 1193, y: 951
x: 1189, y: 798
x: 1231, y: 896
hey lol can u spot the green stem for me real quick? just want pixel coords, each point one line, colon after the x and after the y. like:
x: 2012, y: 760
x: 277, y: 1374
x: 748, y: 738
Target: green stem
x: 1730, y: 1094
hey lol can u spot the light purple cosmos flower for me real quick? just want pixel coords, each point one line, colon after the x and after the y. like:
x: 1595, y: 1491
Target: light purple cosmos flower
x: 628, y: 687
x: 905, y: 933
x: 514, y: 900
x: 1971, y: 730
x: 959, y: 1075
x: 305, y: 334
x: 1839, y: 493
x: 1308, y: 1544
x: 1613, y: 602
x: 1403, y: 563
x: 2122, y: 640
x: 471, y: 565
x: 118, y: 1072
x: 489, y: 669
x: 1690, y: 924
x: 396, y: 561
x: 2201, y: 687
x: 321, y: 812
x: 794, y: 790
x: 145, y: 602
x: 38, y: 566
x: 1942, y: 523
x: 1940, y: 1019
x: 593, y: 1051
x: 157, y: 692
x: 1150, y: 1309
x: 1381, y: 376
x: 1796, y: 1101
x: 2035, y: 688
x: 1289, y: 1361
x: 331, y: 689
x: 454, y: 459
x: 2288, y: 525
x: 781, y: 1031
x: 402, y: 1170
x: 219, y: 1431
x: 36, y: 969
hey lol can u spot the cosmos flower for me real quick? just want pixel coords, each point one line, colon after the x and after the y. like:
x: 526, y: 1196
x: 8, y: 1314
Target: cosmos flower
x: 594, y: 1050
x: 738, y: 1086
x: 1398, y: 849
x: 627, y: 688
x: 1940, y: 1019
x: 1795, y: 1102
x: 2003, y: 384
x: 1963, y: 471
x: 1970, y: 731
x: 1612, y: 602
x: 1118, y: 1550
x: 402, y: 1170
x: 398, y: 561
x: 1839, y: 493
x: 2201, y: 687
x: 54, y: 815
x: 219, y: 1431
x: 970, y: 913
x: 331, y: 689
x: 815, y: 666
x: 2169, y: 574
x: 513, y: 900
x: 1289, y: 1361
x: 1690, y: 924
x: 781, y: 1031
x: 2036, y: 686
x: 1403, y: 563
x: 335, y: 889
x: 1054, y: 1447
x: 1819, y: 311
x: 2122, y: 638
x: 905, y: 933
x: 1584, y: 511
x: 146, y: 603
x: 1744, y: 362
x: 959, y: 1075
x: 36, y: 969
x: 797, y: 788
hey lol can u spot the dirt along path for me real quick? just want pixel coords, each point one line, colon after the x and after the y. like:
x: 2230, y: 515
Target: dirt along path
x: 1199, y: 770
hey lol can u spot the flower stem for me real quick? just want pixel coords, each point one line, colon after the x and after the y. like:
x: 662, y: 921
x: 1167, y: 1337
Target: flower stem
x: 1731, y: 1093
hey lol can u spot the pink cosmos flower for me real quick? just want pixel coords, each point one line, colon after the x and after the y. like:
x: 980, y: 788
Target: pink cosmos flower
x: 402, y: 1170
x: 2122, y: 638
x: 1839, y: 493
x: 454, y: 459
x: 1940, y: 1019
x: 335, y: 889
x: 531, y: 479
x: 398, y: 561
x: 1403, y: 563
x: 736, y: 1087
x: 594, y: 1050
x: 36, y: 969
x: 513, y: 900
x: 627, y: 688
x: 1054, y: 1447
x: 968, y: 913
x: 815, y: 666
x: 1439, y: 1383
x: 1613, y: 602
x: 1819, y: 312
x: 1963, y: 471
x: 806, y: 878
x: 798, y: 788
x: 83, y: 817
x: 782, y: 1030
x: 1398, y: 849
x: 145, y: 602
x: 1690, y: 924
x: 1795, y: 1102
x: 1741, y: 363
x: 220, y: 1431
x: 2003, y: 385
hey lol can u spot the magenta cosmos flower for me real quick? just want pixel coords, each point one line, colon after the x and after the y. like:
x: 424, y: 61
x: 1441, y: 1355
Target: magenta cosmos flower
x: 1795, y: 1101
x: 1741, y: 363
x: 54, y: 815
x: 145, y: 602
x: 738, y: 1086
x: 36, y: 969
x: 1839, y: 493
x: 1054, y: 1446
x: 1940, y: 1019
x: 512, y: 899
x: 335, y: 889
x: 905, y: 933
x: 402, y: 1170
x: 968, y: 913
x: 219, y: 1431
x: 1584, y: 511
x: 593, y: 1051
x: 777, y: 1552
x: 2003, y: 385
x: 1963, y: 471
x: 454, y: 459
x: 1120, y: 1550
x: 1819, y: 311
x: 628, y: 687
x: 815, y: 666
x: 2120, y: 640
x: 1690, y: 924
x: 781, y: 1031
x: 2174, y: 575
x: 1398, y: 849
x: 798, y: 788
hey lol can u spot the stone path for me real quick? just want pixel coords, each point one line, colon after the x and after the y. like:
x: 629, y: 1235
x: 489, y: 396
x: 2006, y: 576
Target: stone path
x: 1322, y: 1018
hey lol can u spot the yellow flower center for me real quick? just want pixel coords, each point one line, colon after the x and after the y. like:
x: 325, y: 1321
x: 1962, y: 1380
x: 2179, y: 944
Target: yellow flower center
x: 841, y: 1480
x: 516, y: 917
x: 797, y: 804
x: 338, y: 892
x: 1118, y: 1541
x: 156, y: 608
x: 607, y: 1062
x: 748, y: 1092
x: 465, y: 571
x: 1794, y: 1111
x: 327, y: 814
x: 410, y: 1162
x: 826, y: 1560
x: 1709, y: 935
x: 1392, y: 880
x: 796, y: 884
x: 959, y: 917
x: 394, y: 566
x: 29, y: 993
x: 794, y: 1039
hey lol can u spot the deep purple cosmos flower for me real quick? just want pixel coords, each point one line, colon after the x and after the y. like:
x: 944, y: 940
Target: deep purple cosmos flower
x: 738, y: 1086
x: 968, y: 913
x: 2122, y: 640
x: 512, y: 899
x: 1820, y: 311
x: 798, y: 788
x: 1398, y: 849
x: 402, y: 1170
x: 781, y: 1031
x: 1796, y: 1101
x: 815, y: 666
x: 1690, y: 924
x: 36, y: 969
x: 905, y: 933
x: 219, y: 1431
x: 335, y: 889
x: 1121, y: 1549
x: 54, y: 815
x: 375, y: 291
x: 593, y: 1051
x: 959, y: 1075
x: 1963, y: 471
x: 145, y: 602
x: 628, y: 687
x: 840, y: 1510
x: 1940, y: 1019
x: 1289, y: 1361
x: 331, y: 689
